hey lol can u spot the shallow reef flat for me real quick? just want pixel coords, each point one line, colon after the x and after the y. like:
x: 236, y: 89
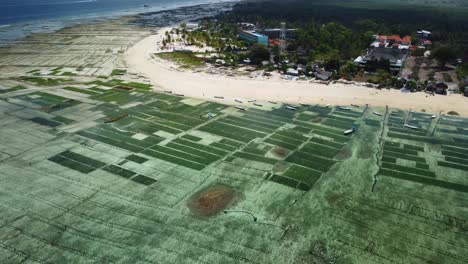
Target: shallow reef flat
x: 110, y: 171
x: 97, y: 167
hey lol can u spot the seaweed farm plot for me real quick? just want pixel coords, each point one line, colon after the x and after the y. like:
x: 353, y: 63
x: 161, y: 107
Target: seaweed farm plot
x: 343, y: 119
x: 77, y: 162
x: 410, y: 160
x: 128, y: 175
x: 455, y: 153
x: 43, y: 101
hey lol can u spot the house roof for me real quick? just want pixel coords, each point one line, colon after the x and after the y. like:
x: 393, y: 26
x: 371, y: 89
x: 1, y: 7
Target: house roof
x: 381, y: 38
x: 395, y: 38
x: 274, y: 42
x: 406, y: 40
x: 423, y: 32
x: 395, y: 56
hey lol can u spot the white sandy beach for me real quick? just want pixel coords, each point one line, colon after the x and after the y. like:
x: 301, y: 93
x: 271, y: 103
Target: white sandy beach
x: 166, y: 76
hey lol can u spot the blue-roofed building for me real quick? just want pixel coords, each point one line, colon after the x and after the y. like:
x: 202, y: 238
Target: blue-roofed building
x: 253, y: 37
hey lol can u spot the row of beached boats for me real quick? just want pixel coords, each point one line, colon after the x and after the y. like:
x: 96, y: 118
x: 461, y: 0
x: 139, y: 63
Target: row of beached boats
x: 294, y: 108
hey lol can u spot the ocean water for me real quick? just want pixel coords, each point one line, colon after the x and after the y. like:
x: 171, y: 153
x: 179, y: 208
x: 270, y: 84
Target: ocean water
x: 19, y: 18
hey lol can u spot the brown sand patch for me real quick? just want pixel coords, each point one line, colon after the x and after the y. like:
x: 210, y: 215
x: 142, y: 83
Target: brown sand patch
x: 334, y: 198
x: 280, y: 152
x: 345, y: 153
x: 453, y: 113
x: 280, y: 167
x: 316, y: 120
x: 211, y: 200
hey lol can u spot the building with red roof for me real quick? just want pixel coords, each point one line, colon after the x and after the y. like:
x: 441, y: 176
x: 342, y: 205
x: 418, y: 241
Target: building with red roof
x: 381, y: 38
x: 394, y: 39
x: 406, y: 40
x: 274, y: 42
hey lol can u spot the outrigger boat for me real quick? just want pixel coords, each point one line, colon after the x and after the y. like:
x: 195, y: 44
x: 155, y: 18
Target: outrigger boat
x: 240, y: 108
x: 433, y: 116
x: 351, y: 130
x: 410, y: 126
x: 305, y: 105
x: 238, y: 101
x: 291, y: 108
x: 271, y: 102
x: 344, y: 108
x: 377, y: 113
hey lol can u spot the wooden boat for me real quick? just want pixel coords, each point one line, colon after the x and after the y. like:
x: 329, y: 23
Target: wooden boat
x: 433, y: 116
x: 306, y: 105
x: 377, y: 113
x: 344, y: 108
x: 291, y: 108
x: 351, y: 130
x: 240, y: 108
x: 410, y: 126
x: 238, y: 101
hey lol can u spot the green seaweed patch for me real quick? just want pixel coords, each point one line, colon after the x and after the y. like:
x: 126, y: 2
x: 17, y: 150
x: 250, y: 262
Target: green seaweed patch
x: 143, y: 180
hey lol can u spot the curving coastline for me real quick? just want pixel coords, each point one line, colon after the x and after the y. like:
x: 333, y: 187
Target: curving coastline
x: 166, y: 76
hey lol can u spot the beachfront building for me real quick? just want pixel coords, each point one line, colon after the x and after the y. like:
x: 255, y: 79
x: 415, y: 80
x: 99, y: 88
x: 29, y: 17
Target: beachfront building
x: 253, y: 37
x: 392, y: 48
x: 423, y: 34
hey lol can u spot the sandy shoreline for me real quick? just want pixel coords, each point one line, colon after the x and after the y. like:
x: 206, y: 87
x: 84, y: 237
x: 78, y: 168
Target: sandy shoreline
x: 165, y: 76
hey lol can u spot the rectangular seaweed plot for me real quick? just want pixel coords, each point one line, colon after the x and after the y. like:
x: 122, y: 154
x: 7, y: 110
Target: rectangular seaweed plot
x: 303, y: 174
x: 310, y: 161
x: 77, y: 162
x: 231, y: 132
x: 424, y: 180
x: 173, y: 158
x: 143, y: 180
x: 45, y: 122
x: 317, y: 154
x: 288, y: 139
x: 453, y: 165
x: 136, y: 159
x: 289, y: 182
x: 112, y: 136
x: 404, y: 169
x: 116, y: 170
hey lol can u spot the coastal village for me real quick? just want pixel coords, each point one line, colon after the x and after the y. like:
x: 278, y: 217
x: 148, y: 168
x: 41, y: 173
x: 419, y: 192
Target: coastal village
x: 393, y: 61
